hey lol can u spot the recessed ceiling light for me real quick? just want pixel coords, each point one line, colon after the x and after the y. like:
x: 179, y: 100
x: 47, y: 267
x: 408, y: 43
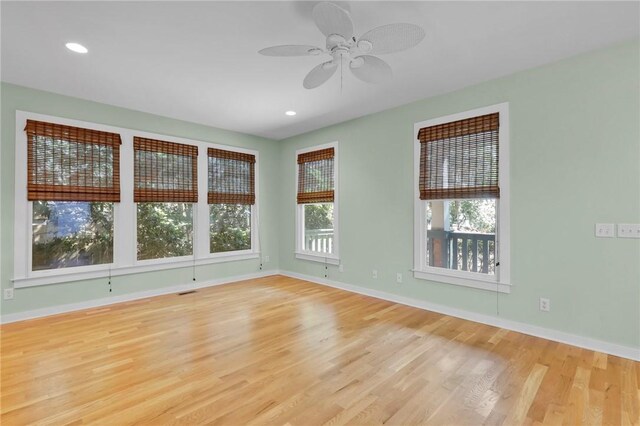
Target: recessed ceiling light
x: 290, y: 113
x: 76, y: 47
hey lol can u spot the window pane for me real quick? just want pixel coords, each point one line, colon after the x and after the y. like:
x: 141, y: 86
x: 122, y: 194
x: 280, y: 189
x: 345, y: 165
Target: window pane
x: 318, y: 228
x: 165, y: 230
x: 68, y: 234
x: 230, y: 227
x: 461, y: 235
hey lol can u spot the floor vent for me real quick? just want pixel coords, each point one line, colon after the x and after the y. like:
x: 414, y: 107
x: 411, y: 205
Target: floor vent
x: 186, y: 292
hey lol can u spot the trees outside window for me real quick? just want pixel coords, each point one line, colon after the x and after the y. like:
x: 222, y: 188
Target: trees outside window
x: 71, y: 233
x: 318, y: 228
x: 229, y: 227
x: 164, y: 230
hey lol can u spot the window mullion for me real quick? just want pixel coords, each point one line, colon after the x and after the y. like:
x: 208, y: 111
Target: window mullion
x: 201, y: 221
x: 125, y: 211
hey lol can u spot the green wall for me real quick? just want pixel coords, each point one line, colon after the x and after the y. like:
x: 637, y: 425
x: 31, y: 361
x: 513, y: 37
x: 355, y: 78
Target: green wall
x: 575, y: 161
x: 20, y: 98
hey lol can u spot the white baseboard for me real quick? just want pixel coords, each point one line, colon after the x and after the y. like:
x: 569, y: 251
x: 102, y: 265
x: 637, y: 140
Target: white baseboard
x: 70, y: 307
x: 532, y: 330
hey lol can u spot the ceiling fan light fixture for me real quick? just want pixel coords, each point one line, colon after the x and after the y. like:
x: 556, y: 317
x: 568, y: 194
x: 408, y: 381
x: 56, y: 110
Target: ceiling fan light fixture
x: 365, y: 45
x: 335, y: 39
x: 290, y: 113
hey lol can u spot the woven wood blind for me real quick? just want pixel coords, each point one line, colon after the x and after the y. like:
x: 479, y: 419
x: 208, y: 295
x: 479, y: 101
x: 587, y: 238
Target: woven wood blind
x: 315, y: 177
x: 67, y: 163
x: 231, y: 177
x: 164, y: 171
x: 460, y: 159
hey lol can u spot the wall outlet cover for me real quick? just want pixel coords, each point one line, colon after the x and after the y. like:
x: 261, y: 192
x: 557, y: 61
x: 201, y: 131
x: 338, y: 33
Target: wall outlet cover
x: 374, y: 274
x: 399, y: 277
x: 605, y: 230
x: 545, y: 304
x: 629, y: 230
x: 8, y: 293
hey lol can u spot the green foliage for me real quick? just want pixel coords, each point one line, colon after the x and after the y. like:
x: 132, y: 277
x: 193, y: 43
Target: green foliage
x: 473, y: 215
x: 67, y: 234
x: 230, y: 227
x: 165, y: 230
x: 318, y: 216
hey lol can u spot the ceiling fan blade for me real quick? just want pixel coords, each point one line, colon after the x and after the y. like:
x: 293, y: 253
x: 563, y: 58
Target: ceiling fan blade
x: 291, y: 50
x: 370, y: 69
x: 332, y: 19
x: 319, y: 75
x: 392, y: 38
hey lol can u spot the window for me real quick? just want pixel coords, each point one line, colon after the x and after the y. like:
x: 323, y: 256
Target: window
x: 165, y: 186
x: 231, y: 197
x: 73, y: 181
x: 70, y: 233
x: 230, y: 227
x: 164, y: 230
x: 94, y: 201
x: 317, y: 230
x: 462, y: 205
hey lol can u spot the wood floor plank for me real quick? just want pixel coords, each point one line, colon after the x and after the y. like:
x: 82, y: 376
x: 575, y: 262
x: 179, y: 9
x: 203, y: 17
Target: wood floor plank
x: 282, y: 351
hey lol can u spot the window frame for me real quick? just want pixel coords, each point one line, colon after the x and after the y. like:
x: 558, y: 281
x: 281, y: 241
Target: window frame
x: 300, y: 253
x: 124, y: 213
x: 501, y: 281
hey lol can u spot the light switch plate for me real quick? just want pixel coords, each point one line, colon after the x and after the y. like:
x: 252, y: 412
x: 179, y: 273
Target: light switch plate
x: 629, y: 230
x: 605, y: 230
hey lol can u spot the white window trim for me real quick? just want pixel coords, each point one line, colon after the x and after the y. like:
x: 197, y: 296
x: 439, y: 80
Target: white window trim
x: 300, y: 253
x: 124, y: 252
x: 501, y: 281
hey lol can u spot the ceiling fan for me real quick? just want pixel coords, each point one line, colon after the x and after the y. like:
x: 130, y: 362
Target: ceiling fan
x: 335, y: 23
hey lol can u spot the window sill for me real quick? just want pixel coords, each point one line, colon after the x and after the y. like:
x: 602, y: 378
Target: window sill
x: 65, y: 277
x: 331, y: 260
x: 465, y: 281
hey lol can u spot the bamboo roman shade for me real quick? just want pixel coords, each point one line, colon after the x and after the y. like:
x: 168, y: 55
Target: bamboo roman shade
x: 67, y: 163
x: 231, y: 177
x: 460, y: 159
x: 315, y: 177
x: 164, y: 171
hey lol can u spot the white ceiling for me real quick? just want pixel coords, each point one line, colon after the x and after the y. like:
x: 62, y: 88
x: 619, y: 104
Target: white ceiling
x: 198, y: 61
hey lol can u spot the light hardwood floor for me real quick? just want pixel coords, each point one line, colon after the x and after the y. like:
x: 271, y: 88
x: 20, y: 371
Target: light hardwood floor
x: 278, y: 351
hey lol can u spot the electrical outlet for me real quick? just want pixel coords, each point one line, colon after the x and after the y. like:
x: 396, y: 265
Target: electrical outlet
x: 605, y: 230
x: 341, y: 268
x: 629, y: 230
x: 266, y: 259
x: 375, y: 274
x: 545, y: 304
x: 399, y: 278
x: 8, y: 293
